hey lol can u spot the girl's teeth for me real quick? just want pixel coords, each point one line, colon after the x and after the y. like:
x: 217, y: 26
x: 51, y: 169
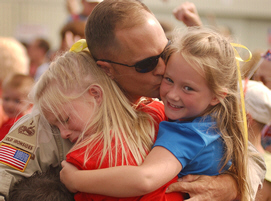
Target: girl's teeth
x: 175, y: 106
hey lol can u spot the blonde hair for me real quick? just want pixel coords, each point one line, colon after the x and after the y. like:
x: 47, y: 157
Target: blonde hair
x: 211, y: 53
x: 104, y: 21
x: 69, y: 78
x: 13, y: 57
x: 22, y: 83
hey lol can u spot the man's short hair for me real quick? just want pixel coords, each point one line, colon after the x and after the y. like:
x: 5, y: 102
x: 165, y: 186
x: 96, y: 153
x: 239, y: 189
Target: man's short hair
x: 109, y: 16
x: 45, y: 186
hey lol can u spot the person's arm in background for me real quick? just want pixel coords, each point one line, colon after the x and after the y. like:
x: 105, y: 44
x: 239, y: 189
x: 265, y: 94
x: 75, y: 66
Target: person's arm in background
x: 188, y: 14
x: 49, y: 150
x: 73, y: 9
x: 216, y: 188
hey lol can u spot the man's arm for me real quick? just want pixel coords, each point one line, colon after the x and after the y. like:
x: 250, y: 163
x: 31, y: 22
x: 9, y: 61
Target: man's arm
x: 205, y: 188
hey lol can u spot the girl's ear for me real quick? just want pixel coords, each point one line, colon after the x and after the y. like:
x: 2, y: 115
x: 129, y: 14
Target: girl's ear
x: 107, y: 68
x: 216, y: 100
x: 97, y: 93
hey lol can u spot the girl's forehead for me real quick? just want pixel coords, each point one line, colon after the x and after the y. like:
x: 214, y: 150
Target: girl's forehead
x: 54, y: 113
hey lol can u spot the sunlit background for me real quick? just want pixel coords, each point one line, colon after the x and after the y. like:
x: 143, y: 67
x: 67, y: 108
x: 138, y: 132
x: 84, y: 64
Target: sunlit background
x: 249, y: 21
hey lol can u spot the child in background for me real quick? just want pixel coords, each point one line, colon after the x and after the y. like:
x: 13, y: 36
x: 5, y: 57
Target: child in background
x: 263, y: 74
x: 258, y: 108
x: 15, y: 102
x: 263, y: 69
x: 14, y: 59
x: 89, y: 109
x: 200, y: 95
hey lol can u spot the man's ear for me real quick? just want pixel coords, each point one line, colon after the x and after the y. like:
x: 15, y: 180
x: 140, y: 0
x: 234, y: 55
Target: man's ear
x: 97, y: 93
x: 107, y: 68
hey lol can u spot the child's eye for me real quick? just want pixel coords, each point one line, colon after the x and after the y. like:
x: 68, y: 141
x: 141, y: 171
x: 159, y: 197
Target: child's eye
x: 6, y: 99
x: 168, y: 79
x: 188, y: 88
x: 17, y: 101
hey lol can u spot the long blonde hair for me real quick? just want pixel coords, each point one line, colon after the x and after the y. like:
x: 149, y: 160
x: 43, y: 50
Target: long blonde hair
x: 69, y: 78
x: 209, y: 52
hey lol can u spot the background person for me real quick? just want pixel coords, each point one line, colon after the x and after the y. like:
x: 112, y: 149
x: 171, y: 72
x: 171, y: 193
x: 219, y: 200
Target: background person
x: 69, y: 34
x: 263, y: 72
x: 38, y: 53
x: 258, y: 108
x: 14, y: 59
x: 15, y: 90
x: 86, y: 8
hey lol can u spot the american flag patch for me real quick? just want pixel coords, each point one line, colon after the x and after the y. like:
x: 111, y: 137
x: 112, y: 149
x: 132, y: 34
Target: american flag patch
x: 13, y: 157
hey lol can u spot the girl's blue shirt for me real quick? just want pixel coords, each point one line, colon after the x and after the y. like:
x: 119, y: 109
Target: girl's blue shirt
x: 197, y: 145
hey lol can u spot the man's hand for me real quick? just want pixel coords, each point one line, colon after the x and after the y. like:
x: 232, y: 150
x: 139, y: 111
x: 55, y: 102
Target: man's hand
x: 68, y: 176
x: 206, y: 188
x: 188, y: 14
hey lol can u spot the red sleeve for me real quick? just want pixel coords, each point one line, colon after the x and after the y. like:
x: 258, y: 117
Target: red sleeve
x: 156, y: 110
x: 76, y: 158
x: 6, y: 126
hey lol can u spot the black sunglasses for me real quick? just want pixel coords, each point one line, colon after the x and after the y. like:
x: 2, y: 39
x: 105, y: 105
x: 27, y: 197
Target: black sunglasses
x: 145, y: 65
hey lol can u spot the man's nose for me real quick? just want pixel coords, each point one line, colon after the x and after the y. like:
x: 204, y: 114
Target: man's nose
x: 160, y: 68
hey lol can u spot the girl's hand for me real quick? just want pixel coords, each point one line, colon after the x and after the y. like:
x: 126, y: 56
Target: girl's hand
x: 68, y: 176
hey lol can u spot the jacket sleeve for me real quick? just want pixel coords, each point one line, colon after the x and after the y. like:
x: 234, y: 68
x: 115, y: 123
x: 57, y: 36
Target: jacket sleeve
x: 256, y: 169
x: 31, y: 135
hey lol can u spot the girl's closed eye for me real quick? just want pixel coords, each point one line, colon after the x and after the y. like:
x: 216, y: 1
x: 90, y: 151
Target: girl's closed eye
x: 67, y: 120
x: 64, y: 121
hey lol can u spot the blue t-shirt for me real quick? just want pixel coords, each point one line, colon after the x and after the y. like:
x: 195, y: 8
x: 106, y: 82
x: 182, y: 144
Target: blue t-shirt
x: 197, y: 145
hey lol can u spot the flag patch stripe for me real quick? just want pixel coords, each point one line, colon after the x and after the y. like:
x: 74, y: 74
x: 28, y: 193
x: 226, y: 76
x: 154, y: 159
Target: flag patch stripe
x: 13, y: 157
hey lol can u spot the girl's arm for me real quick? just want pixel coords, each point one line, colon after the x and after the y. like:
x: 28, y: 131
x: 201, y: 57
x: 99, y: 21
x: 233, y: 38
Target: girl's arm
x: 159, y: 167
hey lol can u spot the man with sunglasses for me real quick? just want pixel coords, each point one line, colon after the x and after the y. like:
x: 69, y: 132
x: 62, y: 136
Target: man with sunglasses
x: 129, y: 45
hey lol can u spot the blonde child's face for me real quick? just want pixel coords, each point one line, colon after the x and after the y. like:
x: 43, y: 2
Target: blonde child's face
x: 14, y: 103
x: 184, y: 91
x: 73, y: 118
